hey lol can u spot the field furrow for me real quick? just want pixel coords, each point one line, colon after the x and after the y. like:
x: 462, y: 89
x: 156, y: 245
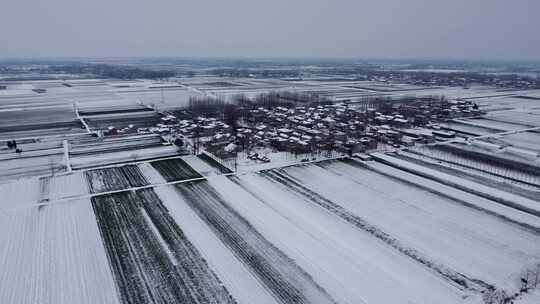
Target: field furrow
x: 175, y: 169
x: 152, y: 260
x: 465, y: 240
x: 288, y: 282
x: 351, y: 265
x: 114, y: 178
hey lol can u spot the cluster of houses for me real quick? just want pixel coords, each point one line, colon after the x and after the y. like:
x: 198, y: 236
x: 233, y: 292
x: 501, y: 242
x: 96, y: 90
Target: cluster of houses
x: 455, y: 79
x: 340, y: 127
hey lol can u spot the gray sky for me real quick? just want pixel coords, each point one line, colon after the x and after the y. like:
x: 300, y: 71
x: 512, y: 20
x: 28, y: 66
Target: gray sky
x: 475, y: 29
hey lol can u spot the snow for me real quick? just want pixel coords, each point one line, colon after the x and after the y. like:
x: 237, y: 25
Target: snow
x: 277, y: 159
x: 19, y: 193
x: 458, y: 195
x: 441, y: 153
x: 151, y: 174
x: 464, y: 239
x: 102, y: 159
x: 351, y: 266
x: 54, y: 255
x: 471, y: 173
x: 526, y: 140
x: 522, y: 202
x: 66, y: 186
x: 31, y: 166
x: 493, y: 124
x: 526, y: 118
x: 240, y: 282
x: 200, y: 166
x: 530, y: 298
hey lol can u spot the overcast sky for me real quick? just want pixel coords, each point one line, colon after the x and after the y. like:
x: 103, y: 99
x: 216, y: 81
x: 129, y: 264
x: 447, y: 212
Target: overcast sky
x: 457, y: 29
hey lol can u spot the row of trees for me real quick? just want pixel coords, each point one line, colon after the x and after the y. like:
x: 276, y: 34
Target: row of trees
x: 239, y: 105
x: 113, y: 71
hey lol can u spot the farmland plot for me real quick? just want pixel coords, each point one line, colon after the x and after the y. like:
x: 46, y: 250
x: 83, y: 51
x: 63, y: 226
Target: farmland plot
x: 484, y: 205
x: 35, y: 118
x: 152, y: 260
x: 483, y: 248
x: 524, y: 204
x: 151, y: 174
x: 199, y: 165
x: 485, y: 178
x: 482, y: 162
x: 92, y: 146
x: 24, y: 166
x: 469, y: 166
x: 19, y: 193
x: 352, y: 265
x: 119, y: 121
x: 68, y: 185
x: 214, y: 164
x: 505, y: 125
x: 93, y: 160
x: 53, y: 255
x: 235, y: 275
x: 494, y: 149
x: 175, y: 169
x: 524, y: 140
x: 285, y: 280
x: 529, y: 118
x: 114, y: 178
x: 62, y: 186
x: 468, y: 129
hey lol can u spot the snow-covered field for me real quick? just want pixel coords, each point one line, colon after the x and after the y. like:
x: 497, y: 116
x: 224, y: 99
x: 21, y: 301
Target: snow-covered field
x: 151, y: 259
x: 350, y: 263
x: 481, y: 247
x: 105, y: 158
x: 54, y: 255
x: 125, y: 219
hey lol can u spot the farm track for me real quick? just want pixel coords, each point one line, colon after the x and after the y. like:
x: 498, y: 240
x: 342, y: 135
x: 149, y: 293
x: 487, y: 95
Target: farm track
x: 114, y: 178
x: 284, y: 279
x: 151, y: 259
x: 175, y: 170
x: 455, y: 277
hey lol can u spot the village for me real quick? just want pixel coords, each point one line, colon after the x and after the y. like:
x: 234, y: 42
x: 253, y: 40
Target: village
x: 316, y: 129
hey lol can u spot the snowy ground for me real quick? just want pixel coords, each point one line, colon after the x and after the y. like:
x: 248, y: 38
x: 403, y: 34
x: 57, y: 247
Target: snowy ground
x: 350, y: 264
x: 131, y: 225
x: 54, y: 254
x: 446, y: 231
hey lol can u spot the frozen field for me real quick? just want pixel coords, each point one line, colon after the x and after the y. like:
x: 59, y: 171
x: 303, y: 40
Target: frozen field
x: 317, y: 233
x: 435, y: 225
x: 125, y: 219
x: 54, y: 254
x: 151, y: 259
